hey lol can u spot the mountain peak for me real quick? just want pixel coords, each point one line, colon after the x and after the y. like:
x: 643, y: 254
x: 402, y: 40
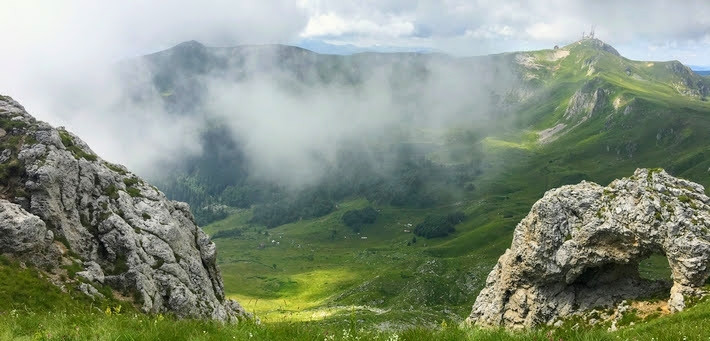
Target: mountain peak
x: 597, y: 44
x: 190, y: 44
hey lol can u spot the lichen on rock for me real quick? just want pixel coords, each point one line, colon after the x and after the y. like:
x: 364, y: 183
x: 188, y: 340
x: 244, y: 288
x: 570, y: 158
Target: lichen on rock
x: 580, y: 246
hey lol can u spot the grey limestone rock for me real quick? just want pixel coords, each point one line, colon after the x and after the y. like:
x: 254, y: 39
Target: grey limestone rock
x: 125, y: 232
x: 25, y: 236
x: 580, y: 246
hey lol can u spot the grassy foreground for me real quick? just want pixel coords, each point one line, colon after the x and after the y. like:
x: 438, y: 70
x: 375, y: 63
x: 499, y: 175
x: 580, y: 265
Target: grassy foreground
x: 94, y: 325
x: 33, y: 309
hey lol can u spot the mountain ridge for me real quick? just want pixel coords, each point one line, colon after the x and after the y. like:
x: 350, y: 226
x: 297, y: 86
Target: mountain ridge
x: 547, y: 119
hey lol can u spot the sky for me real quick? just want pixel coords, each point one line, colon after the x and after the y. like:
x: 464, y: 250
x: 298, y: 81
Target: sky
x: 54, y: 55
x: 80, y: 30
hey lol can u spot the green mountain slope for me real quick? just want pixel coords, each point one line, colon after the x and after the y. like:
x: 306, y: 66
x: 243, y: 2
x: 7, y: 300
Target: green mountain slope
x: 578, y: 113
x: 586, y: 114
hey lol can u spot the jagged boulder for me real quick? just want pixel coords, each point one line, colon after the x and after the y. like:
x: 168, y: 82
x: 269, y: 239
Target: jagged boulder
x: 123, y: 230
x: 26, y: 236
x: 580, y: 246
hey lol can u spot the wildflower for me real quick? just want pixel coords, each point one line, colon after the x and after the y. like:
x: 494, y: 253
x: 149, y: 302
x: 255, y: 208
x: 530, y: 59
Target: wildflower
x: 108, y: 311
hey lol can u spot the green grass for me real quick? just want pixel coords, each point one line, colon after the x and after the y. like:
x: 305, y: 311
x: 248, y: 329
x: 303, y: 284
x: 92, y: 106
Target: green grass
x: 115, y: 168
x: 69, y: 144
x: 31, y: 308
x: 107, y: 322
x: 134, y: 192
x: 8, y: 124
x: 111, y: 191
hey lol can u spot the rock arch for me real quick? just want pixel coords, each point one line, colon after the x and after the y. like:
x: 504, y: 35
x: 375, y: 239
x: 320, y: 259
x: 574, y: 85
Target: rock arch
x: 580, y: 246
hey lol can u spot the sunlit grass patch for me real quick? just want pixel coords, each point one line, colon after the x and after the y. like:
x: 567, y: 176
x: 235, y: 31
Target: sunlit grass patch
x: 492, y: 142
x: 300, y: 293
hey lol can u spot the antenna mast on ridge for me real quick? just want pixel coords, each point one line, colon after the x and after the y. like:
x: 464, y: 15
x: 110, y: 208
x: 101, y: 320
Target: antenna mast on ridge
x: 591, y: 33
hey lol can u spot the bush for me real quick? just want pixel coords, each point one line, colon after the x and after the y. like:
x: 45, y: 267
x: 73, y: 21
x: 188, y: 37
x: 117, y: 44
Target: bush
x: 134, y: 192
x: 111, y: 191
x: 356, y: 219
x: 13, y: 168
x: 115, y: 168
x: 9, y: 124
x: 130, y: 182
x: 435, y: 226
x: 68, y: 143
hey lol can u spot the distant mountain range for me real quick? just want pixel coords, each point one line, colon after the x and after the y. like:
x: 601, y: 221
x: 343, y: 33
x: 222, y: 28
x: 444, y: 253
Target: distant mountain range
x: 575, y: 92
x: 699, y: 67
x: 322, y: 47
x: 701, y: 70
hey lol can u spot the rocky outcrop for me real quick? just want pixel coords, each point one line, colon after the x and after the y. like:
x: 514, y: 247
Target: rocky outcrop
x: 26, y: 236
x: 123, y: 231
x: 688, y: 83
x: 596, y: 43
x: 580, y: 246
x: 586, y: 102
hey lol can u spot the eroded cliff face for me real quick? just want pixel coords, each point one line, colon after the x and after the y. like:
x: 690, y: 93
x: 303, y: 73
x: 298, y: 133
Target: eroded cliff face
x: 580, y: 246
x: 60, y: 202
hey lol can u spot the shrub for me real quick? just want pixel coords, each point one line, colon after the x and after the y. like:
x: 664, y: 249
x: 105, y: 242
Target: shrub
x: 134, y: 192
x: 9, y: 124
x: 13, y: 168
x: 115, y: 168
x: 68, y: 143
x: 130, y: 182
x: 111, y: 191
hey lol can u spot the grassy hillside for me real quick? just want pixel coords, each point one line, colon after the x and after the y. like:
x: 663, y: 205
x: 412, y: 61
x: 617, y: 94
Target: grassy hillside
x: 585, y: 113
x: 34, y: 309
x: 643, y: 115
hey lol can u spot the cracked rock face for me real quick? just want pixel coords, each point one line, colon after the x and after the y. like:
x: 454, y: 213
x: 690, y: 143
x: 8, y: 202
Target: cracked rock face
x: 26, y: 236
x: 580, y: 246
x: 125, y: 232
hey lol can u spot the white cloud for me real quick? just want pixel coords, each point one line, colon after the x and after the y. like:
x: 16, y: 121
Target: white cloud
x: 55, y: 56
x: 545, y: 31
x: 491, y: 32
x: 485, y: 26
x: 330, y: 24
